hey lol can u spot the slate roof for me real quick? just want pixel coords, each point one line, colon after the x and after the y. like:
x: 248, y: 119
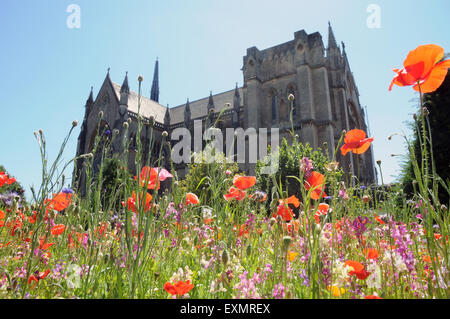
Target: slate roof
x: 198, y: 108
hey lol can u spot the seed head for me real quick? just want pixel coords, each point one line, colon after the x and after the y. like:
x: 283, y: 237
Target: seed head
x: 225, y: 257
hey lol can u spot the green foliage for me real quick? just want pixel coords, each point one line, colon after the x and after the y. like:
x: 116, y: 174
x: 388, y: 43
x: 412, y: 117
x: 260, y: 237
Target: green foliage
x: 206, y: 174
x: 114, y: 179
x: 290, y: 156
x: 437, y: 104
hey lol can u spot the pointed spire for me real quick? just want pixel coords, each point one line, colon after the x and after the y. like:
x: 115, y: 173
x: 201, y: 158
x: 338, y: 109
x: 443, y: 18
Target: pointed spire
x: 187, y: 114
x: 331, y: 39
x: 90, y: 99
x: 125, y: 88
x: 343, y: 48
x: 211, y: 101
x: 167, y: 117
x: 154, y: 94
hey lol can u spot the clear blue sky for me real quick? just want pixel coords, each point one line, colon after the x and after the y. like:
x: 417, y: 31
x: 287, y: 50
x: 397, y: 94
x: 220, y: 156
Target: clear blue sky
x: 47, y: 69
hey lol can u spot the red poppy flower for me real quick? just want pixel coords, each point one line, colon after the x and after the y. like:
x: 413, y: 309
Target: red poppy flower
x: 234, y: 193
x: 180, y: 288
x: 243, y: 230
x: 322, y: 210
x: 132, y: 202
x: 38, y: 276
x: 358, y: 269
x: 244, y: 182
x: 2, y: 214
x: 422, y: 67
x: 372, y: 297
x: 283, y: 209
x: 4, y: 179
x: 43, y: 245
x: 356, y: 141
x: 58, y: 229
x: 379, y: 220
x: 316, y: 181
x: 191, y: 199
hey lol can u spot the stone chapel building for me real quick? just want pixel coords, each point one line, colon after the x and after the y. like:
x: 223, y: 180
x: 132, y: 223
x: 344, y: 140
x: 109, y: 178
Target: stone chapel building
x: 326, y: 103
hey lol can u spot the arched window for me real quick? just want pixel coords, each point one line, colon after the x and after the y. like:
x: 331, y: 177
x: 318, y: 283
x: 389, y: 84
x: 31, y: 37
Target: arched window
x: 103, y: 133
x: 273, y: 98
x: 284, y: 113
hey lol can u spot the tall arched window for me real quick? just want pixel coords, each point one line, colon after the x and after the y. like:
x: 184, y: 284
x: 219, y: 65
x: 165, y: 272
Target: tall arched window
x: 284, y: 112
x: 273, y: 97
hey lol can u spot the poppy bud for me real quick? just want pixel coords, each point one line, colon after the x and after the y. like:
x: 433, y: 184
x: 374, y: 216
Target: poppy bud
x: 165, y: 134
x: 415, y: 117
x: 140, y: 78
x: 100, y: 114
x: 444, y: 208
x: 425, y: 111
x: 74, y: 123
x: 116, y: 132
x: 366, y: 198
x: 287, y: 240
x: 225, y: 257
x: 378, y: 162
x: 272, y: 221
x: 291, y: 97
x: 125, y: 125
x: 227, y: 104
x: 151, y: 120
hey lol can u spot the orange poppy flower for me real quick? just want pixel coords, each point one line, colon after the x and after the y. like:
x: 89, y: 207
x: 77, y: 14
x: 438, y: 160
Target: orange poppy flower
x: 2, y: 214
x: 316, y: 181
x: 191, y: 199
x: 356, y: 141
x: 58, y: 229
x: 180, y: 288
x: 234, y: 193
x: 132, y: 202
x: 371, y: 253
x: 59, y: 202
x: 149, y: 175
x: 422, y: 67
x: 244, y: 182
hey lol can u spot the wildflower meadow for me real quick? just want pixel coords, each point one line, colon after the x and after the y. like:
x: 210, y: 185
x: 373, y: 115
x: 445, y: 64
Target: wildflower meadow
x: 218, y: 234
